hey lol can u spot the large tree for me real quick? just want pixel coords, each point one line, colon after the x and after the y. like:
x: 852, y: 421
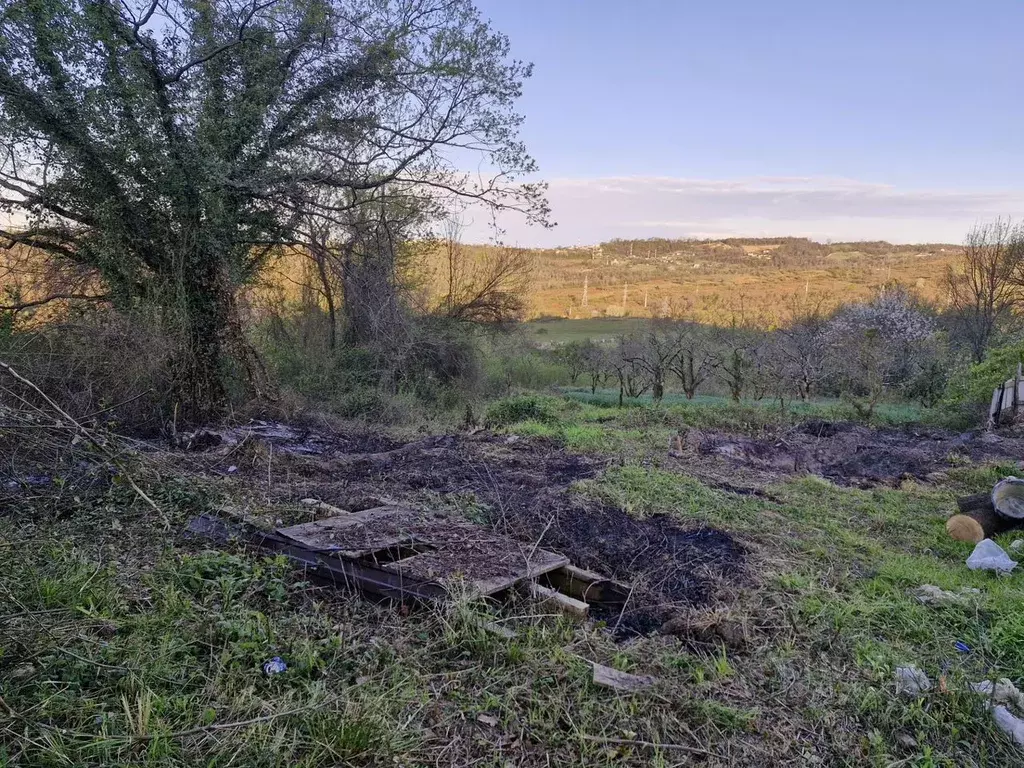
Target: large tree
x: 984, y: 285
x: 171, y: 145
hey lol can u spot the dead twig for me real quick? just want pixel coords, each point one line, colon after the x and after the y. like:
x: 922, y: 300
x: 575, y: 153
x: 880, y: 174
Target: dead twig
x: 649, y: 745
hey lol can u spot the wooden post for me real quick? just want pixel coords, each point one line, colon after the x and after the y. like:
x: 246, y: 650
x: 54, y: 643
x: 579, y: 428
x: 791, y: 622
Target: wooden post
x: 993, y: 409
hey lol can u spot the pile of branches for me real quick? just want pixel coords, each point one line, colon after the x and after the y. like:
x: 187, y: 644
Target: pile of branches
x: 47, y: 451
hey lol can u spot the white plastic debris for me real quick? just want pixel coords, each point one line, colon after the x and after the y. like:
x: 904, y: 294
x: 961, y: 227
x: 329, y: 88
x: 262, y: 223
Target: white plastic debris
x: 912, y: 681
x: 274, y: 666
x: 929, y: 594
x: 1003, y: 691
x: 1017, y: 545
x: 1009, y: 724
x: 989, y: 556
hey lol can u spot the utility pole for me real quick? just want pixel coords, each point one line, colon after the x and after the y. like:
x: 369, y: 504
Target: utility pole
x: 645, y: 298
x: 625, y: 293
x: 585, y: 288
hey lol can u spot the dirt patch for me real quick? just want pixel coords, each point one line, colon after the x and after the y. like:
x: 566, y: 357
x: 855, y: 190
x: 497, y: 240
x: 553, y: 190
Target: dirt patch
x: 851, y: 454
x: 521, y: 487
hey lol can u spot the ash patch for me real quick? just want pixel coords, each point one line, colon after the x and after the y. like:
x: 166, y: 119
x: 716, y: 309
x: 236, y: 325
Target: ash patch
x: 667, y: 564
x: 852, y: 454
x: 523, y: 488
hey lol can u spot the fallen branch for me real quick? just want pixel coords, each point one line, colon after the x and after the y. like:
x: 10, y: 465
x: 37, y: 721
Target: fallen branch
x: 221, y: 726
x: 87, y: 434
x: 650, y: 745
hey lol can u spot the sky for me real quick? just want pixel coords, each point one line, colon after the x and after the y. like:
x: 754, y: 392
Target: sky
x: 836, y: 119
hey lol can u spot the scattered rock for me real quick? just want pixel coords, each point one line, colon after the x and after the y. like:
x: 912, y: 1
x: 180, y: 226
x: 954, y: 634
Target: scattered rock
x: 1017, y: 545
x: 929, y: 594
x: 620, y: 681
x: 907, y: 740
x: 989, y: 556
x: 912, y: 681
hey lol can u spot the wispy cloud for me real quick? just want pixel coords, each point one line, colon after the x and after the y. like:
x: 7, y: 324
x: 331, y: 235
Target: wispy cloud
x: 591, y: 210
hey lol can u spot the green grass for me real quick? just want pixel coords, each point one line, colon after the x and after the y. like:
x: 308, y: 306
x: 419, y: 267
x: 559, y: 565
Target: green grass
x: 123, y: 643
x: 598, y: 329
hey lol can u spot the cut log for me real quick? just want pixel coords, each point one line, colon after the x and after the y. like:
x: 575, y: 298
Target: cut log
x: 974, y: 503
x: 979, y: 519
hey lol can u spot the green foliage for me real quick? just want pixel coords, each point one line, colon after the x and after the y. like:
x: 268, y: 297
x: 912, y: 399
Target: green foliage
x: 170, y: 158
x: 976, y: 383
x: 511, y: 410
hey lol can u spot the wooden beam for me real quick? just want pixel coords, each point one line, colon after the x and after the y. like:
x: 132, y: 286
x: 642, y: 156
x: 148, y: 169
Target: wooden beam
x: 559, y: 602
x: 587, y: 586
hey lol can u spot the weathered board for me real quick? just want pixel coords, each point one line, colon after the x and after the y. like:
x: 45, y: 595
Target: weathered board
x: 1006, y: 400
x: 426, y: 547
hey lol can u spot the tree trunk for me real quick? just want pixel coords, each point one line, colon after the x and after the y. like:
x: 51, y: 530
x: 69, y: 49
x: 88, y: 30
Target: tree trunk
x: 198, y: 365
x: 320, y: 257
x: 658, y: 387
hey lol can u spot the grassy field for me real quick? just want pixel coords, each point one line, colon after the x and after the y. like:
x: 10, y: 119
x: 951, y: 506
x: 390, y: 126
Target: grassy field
x: 121, y: 642
x: 600, y: 330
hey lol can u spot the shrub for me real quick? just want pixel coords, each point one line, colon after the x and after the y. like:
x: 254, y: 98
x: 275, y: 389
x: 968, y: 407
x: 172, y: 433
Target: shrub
x: 511, y: 410
x: 102, y: 367
x: 976, y: 383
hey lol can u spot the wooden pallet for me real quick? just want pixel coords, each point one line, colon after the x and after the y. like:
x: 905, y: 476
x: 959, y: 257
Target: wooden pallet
x: 400, y: 553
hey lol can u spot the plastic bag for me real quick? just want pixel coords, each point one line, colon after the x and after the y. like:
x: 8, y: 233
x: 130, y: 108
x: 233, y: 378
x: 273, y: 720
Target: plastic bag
x: 274, y: 666
x: 912, y: 681
x: 989, y: 556
x: 1009, y: 724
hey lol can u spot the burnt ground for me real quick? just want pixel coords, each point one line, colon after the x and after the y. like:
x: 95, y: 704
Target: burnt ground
x: 519, y: 486
x: 848, y: 454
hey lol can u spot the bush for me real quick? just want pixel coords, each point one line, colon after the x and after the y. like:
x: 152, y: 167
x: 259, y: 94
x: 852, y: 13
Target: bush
x: 511, y: 410
x: 102, y: 367
x: 976, y: 383
x: 437, y: 368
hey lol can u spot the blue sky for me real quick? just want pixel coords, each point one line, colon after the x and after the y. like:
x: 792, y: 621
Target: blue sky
x: 856, y: 119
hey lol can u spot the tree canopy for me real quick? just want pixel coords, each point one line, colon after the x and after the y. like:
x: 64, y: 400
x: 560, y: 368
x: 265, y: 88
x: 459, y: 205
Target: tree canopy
x: 170, y: 145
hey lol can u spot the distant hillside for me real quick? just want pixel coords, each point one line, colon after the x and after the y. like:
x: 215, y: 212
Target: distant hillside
x: 721, y: 280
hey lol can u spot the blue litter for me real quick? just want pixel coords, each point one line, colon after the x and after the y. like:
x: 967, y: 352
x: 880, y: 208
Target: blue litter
x: 962, y: 647
x: 274, y: 667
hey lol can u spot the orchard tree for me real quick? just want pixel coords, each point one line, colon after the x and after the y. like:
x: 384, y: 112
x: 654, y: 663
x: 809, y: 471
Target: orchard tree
x: 877, y: 346
x: 654, y: 351
x: 171, y: 145
x: 696, y: 360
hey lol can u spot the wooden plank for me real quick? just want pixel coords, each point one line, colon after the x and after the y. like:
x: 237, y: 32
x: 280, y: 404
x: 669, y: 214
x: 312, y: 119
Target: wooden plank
x: 325, y: 568
x: 588, y: 586
x: 454, y: 548
x: 993, y: 409
x: 542, y: 562
x: 559, y: 602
